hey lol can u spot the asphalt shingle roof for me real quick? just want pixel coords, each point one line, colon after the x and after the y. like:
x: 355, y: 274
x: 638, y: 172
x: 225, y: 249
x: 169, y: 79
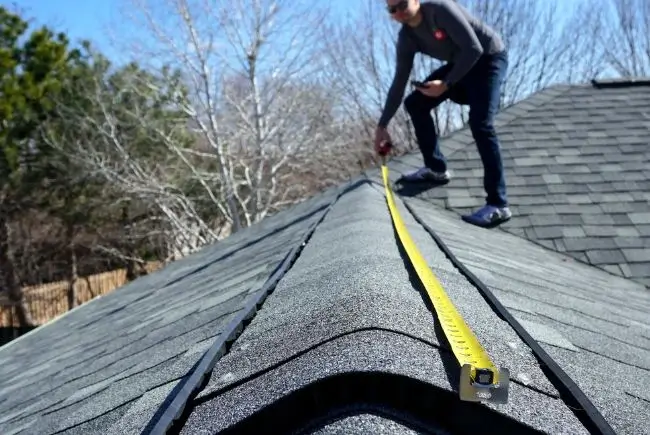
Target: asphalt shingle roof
x: 577, y: 162
x: 595, y: 325
x: 342, y: 309
x: 110, y: 363
x: 346, y: 342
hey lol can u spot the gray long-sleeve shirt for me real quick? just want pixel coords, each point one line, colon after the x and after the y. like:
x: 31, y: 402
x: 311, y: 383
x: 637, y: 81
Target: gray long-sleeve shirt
x: 447, y: 32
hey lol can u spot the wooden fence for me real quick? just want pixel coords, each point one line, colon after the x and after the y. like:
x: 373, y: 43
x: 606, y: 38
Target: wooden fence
x: 50, y: 300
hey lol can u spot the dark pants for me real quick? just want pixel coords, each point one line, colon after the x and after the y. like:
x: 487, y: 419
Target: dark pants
x: 481, y: 90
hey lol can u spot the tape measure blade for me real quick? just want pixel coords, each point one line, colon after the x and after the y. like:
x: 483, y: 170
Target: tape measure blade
x: 464, y: 343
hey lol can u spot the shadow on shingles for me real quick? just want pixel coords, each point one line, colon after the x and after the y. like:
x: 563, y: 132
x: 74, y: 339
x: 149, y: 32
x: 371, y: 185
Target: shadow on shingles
x: 452, y: 369
x: 414, y: 189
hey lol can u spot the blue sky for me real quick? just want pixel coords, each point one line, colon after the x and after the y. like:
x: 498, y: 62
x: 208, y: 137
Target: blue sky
x: 91, y: 18
x: 78, y: 19
x: 97, y: 19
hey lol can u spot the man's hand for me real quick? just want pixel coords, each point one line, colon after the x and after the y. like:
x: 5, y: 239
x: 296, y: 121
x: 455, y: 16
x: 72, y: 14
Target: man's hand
x: 382, y: 139
x: 435, y: 88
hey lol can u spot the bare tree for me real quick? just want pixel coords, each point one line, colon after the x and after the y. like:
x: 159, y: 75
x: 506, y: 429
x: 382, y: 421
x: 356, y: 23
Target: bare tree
x: 119, y: 135
x: 582, y: 57
x: 543, y: 46
x: 252, y: 75
x: 360, y: 54
x: 625, y: 37
x: 280, y: 114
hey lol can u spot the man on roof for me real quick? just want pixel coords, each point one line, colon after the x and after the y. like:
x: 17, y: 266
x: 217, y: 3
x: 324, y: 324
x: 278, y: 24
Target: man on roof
x: 475, y: 70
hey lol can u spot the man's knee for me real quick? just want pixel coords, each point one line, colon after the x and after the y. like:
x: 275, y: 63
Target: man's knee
x: 482, y: 123
x: 417, y: 103
x: 413, y: 103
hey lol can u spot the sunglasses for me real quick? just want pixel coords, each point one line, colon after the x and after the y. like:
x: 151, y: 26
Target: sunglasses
x: 401, y: 7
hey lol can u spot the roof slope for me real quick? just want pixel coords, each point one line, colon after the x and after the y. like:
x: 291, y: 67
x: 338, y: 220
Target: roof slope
x: 348, y: 306
x: 595, y: 325
x: 113, y: 361
x: 577, y: 162
x: 345, y: 342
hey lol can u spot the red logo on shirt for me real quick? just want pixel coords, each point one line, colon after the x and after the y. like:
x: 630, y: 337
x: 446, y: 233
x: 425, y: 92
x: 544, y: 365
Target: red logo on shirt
x: 439, y: 35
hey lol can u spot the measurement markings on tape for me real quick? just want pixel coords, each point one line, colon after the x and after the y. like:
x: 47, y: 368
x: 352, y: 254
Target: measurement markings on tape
x: 480, y: 380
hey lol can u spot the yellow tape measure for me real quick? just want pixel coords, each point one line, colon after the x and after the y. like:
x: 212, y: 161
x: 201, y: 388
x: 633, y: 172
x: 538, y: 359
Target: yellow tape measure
x: 480, y: 380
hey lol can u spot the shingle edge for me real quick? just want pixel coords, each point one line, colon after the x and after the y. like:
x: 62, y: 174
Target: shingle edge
x: 569, y: 391
x: 173, y: 406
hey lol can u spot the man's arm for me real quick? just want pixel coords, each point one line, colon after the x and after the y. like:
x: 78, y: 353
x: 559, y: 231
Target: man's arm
x: 453, y: 21
x: 404, y: 61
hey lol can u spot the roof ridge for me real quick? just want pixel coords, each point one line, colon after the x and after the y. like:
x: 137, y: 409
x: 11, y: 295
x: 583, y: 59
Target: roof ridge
x: 167, y: 414
x: 624, y: 82
x: 572, y: 395
x: 303, y: 347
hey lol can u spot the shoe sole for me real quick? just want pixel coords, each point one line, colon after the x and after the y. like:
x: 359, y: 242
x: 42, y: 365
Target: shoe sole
x: 489, y: 225
x: 424, y: 180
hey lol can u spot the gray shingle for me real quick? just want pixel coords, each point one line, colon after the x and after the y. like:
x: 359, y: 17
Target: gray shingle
x: 366, y: 423
x: 533, y: 161
x: 549, y: 232
x: 630, y: 231
x: 302, y: 331
x: 638, y: 270
x: 518, y: 222
x: 640, y: 218
x: 573, y: 232
x: 347, y: 305
x: 138, y: 414
x: 641, y: 196
x: 590, y: 309
x: 612, y: 197
x: 88, y: 368
x: 614, y: 269
x: 546, y: 334
x: 589, y: 373
x: 632, y: 242
x: 585, y: 243
x: 559, y: 245
x: 621, y: 218
x: 528, y: 191
x: 600, y: 230
x: 593, y: 171
x: 616, y: 207
x: 579, y: 199
x: 552, y: 178
x: 459, y: 202
x: 543, y: 219
x: 637, y: 255
x: 605, y: 256
x: 528, y: 200
x: 639, y: 207
x: 579, y: 209
x: 565, y: 188
x: 550, y: 244
x: 604, y: 187
x: 598, y: 219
